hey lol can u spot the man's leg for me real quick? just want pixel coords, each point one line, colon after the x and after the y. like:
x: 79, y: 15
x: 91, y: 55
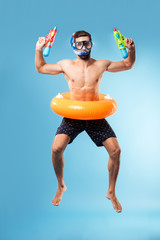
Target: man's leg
x: 59, y: 144
x: 112, y: 146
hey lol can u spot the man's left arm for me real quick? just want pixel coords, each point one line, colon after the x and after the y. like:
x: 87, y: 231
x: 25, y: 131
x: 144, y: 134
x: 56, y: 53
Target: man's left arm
x: 125, y: 64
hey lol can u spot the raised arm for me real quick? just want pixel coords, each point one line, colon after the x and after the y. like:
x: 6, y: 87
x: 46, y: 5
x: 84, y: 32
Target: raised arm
x: 41, y: 65
x: 125, y: 64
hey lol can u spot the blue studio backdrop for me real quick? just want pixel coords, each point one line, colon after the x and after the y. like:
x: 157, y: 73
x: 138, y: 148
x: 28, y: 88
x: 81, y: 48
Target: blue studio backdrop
x: 28, y: 125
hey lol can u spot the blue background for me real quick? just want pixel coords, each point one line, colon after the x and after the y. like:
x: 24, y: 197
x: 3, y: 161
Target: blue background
x: 27, y: 180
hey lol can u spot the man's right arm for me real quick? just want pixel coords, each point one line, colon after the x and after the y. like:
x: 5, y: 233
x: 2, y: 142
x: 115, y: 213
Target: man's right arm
x: 41, y: 65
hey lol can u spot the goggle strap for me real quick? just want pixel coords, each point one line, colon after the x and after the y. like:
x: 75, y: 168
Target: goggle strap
x: 72, y: 39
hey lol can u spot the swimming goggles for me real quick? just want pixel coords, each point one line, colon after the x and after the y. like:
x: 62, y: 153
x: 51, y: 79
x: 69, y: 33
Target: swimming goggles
x: 79, y: 45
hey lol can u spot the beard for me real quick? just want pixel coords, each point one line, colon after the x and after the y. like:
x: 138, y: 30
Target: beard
x: 85, y: 57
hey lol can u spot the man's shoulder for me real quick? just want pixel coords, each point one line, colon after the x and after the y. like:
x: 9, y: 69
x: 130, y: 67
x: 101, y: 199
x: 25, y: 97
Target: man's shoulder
x: 102, y: 63
x: 65, y: 63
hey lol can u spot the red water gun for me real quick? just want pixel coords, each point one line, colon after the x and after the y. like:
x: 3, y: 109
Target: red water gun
x: 49, y: 40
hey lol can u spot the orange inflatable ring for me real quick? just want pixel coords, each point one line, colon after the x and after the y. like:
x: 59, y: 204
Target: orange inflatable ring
x: 83, y: 110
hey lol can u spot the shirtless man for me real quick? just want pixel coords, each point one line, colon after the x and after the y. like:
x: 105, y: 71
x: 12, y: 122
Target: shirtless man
x: 83, y: 76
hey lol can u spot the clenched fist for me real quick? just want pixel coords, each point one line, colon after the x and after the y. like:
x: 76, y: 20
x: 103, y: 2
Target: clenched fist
x: 129, y: 43
x: 40, y: 44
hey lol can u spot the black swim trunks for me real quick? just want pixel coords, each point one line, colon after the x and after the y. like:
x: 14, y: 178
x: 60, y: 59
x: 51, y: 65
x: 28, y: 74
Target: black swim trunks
x: 98, y: 130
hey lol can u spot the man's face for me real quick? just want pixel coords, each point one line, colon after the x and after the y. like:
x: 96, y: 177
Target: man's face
x: 83, y: 44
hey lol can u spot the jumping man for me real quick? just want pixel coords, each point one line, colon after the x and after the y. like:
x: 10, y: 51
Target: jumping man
x: 83, y: 76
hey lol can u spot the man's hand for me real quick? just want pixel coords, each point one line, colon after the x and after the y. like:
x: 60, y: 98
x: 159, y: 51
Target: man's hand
x: 40, y: 44
x: 127, y: 63
x: 129, y: 43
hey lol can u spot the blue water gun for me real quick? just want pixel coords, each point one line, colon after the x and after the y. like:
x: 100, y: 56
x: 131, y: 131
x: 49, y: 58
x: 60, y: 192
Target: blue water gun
x: 49, y: 40
x: 120, y: 41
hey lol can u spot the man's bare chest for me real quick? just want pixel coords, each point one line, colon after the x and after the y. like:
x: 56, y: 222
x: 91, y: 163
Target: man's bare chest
x: 79, y: 76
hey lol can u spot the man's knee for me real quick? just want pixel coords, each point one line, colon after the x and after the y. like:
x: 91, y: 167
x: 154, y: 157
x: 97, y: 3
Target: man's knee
x: 59, y: 144
x: 113, y: 148
x: 115, y: 153
x: 57, y: 150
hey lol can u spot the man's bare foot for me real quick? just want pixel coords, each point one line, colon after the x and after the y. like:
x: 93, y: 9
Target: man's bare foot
x: 117, y: 206
x: 57, y: 199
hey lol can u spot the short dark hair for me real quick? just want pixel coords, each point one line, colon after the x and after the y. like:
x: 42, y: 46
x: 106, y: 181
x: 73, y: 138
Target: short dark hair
x: 82, y: 34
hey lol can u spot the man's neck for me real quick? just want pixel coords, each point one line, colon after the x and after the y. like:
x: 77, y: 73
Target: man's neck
x: 84, y: 62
